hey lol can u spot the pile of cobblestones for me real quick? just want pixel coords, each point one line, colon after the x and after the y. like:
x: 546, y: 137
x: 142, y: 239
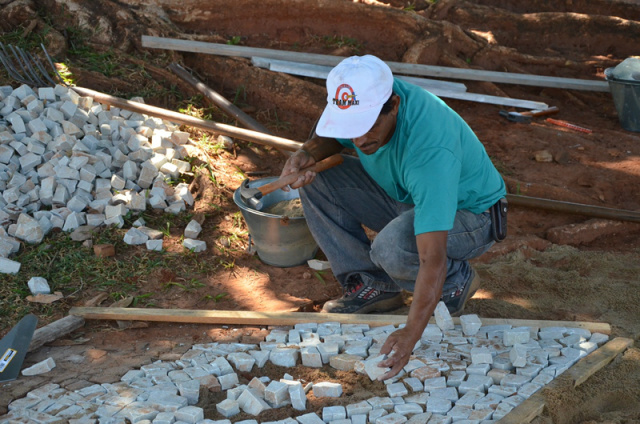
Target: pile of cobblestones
x: 67, y: 162
x: 467, y: 374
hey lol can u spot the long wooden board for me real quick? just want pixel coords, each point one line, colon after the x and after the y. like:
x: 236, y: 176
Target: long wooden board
x: 576, y: 375
x: 396, y: 67
x: 290, y: 318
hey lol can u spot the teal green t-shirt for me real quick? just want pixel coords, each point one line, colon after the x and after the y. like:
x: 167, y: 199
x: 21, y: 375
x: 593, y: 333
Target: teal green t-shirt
x: 433, y: 161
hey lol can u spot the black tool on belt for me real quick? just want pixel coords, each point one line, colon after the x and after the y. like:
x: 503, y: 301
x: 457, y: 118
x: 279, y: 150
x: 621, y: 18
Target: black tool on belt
x: 499, y: 219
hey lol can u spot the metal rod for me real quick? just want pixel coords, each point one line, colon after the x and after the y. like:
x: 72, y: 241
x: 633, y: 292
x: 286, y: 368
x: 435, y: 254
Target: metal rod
x: 229, y: 130
x: 46, y: 54
x: 24, y: 64
x: 573, y: 208
x: 43, y: 71
x: 228, y: 107
x: 224, y: 104
x: 8, y: 65
x: 29, y: 60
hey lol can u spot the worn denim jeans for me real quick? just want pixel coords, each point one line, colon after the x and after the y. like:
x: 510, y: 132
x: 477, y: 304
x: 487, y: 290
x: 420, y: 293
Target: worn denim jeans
x: 344, y: 198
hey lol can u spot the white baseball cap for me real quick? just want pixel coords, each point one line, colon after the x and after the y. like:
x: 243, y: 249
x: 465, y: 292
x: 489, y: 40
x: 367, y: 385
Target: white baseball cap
x: 357, y: 88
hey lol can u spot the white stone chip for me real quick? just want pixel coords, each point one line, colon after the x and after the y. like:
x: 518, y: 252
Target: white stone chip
x: 470, y: 324
x: 443, y: 317
x: 327, y: 389
x: 40, y: 368
x: 39, y: 285
x: 373, y: 370
x: 192, y: 229
x: 195, y: 245
x: 135, y: 237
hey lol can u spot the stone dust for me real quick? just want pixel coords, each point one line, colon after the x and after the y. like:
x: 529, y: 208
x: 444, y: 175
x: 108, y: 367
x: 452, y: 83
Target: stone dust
x: 291, y: 208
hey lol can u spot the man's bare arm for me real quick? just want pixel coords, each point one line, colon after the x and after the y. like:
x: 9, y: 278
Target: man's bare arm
x: 432, y: 248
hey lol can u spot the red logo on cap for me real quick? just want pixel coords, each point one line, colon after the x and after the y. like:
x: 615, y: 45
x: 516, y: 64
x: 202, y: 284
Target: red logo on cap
x: 345, y: 97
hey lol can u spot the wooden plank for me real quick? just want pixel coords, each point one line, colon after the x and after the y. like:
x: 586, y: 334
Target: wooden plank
x: 598, y: 359
x: 441, y: 90
x: 232, y: 317
x: 526, y: 411
x: 291, y: 318
x: 396, y: 67
x: 576, y: 375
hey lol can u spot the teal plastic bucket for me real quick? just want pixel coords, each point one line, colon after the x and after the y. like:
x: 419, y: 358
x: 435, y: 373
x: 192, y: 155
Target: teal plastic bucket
x: 626, y: 98
x: 279, y: 240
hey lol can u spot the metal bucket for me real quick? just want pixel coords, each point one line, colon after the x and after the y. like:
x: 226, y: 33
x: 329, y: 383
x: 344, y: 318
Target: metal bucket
x: 279, y: 240
x: 626, y: 98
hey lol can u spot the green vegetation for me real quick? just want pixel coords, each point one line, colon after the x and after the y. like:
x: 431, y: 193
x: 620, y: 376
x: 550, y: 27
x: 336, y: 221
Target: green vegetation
x: 234, y: 41
x: 339, y: 41
x: 29, y: 42
x: 71, y: 268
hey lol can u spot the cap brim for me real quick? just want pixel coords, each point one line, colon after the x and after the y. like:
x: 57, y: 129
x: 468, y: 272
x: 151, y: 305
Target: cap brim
x: 338, y: 124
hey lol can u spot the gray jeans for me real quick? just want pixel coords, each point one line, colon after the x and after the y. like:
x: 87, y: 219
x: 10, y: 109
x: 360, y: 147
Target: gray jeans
x: 344, y: 198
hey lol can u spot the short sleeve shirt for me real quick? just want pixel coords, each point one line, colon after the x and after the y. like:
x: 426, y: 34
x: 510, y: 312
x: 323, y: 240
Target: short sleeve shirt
x: 433, y: 161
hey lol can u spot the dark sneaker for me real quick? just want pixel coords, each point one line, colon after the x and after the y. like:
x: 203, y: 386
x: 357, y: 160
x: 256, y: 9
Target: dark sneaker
x: 361, y: 299
x: 459, y: 299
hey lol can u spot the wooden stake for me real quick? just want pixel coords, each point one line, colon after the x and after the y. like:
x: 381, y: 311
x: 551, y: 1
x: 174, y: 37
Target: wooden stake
x: 53, y: 331
x: 291, y: 318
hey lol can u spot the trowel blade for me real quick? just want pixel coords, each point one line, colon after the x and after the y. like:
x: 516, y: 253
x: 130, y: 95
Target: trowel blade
x: 14, y: 346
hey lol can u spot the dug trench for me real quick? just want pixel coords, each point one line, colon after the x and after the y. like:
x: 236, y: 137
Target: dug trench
x: 552, y: 266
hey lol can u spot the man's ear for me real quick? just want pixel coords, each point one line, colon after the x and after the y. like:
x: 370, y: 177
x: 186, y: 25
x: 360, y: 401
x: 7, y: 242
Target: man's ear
x: 396, y: 104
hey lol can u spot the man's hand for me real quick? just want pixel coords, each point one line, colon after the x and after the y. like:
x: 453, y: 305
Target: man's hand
x: 299, y: 160
x: 400, y: 344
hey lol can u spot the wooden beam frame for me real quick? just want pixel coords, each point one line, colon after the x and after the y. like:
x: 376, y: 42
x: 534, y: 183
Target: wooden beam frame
x: 523, y: 413
x: 576, y: 375
x: 290, y: 318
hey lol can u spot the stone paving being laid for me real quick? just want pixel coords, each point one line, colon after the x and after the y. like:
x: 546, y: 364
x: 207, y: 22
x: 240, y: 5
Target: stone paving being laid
x: 69, y: 163
x: 440, y: 384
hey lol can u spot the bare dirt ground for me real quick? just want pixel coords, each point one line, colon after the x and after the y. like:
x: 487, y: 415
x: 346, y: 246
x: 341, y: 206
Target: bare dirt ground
x: 553, y: 266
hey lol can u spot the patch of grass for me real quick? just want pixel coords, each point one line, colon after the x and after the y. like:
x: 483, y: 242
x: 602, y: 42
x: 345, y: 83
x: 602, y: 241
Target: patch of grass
x: 104, y: 62
x: 241, y: 93
x: 164, y: 222
x: 339, y: 41
x: 234, y: 41
x: 29, y: 42
x: 318, y: 275
x: 71, y: 268
x: 274, y: 122
x: 217, y: 298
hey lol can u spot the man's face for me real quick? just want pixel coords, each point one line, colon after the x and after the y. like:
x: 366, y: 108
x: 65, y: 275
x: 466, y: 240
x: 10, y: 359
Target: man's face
x: 380, y: 133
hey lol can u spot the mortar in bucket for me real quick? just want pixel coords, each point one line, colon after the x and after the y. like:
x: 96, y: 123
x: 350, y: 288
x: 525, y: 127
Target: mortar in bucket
x: 279, y: 240
x: 624, y: 84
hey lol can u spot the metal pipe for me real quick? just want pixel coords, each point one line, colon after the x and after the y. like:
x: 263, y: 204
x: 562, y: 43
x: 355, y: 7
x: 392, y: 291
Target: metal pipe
x: 573, y: 208
x: 229, y: 130
x: 224, y: 104
x: 217, y: 99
